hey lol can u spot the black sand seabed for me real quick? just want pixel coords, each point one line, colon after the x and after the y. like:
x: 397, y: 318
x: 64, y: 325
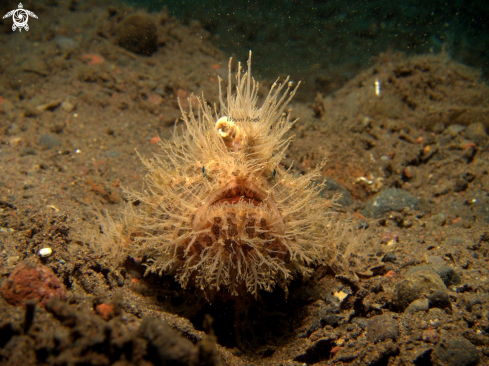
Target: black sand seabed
x: 410, y: 161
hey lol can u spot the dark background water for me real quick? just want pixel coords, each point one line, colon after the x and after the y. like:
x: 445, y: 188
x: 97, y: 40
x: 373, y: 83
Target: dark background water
x: 327, y: 42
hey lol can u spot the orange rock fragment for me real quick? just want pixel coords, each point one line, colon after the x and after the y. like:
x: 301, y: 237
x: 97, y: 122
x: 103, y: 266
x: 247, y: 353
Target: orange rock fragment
x: 335, y: 350
x: 92, y: 58
x: 390, y: 273
x: 182, y: 94
x: 106, y: 311
x: 457, y: 220
x: 32, y: 282
x: 155, y: 99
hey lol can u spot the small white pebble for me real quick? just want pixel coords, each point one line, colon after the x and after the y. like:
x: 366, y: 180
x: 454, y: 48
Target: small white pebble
x: 340, y: 295
x: 377, y: 87
x: 45, y: 252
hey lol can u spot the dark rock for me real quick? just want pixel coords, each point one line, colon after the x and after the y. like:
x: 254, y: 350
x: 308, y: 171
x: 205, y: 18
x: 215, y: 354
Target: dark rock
x: 50, y: 141
x: 460, y: 185
x: 28, y: 151
x: 330, y: 319
x: 382, y: 354
x: 165, y: 345
x: 331, y: 187
x: 422, y: 356
x: 382, y: 327
x: 439, y: 299
x: 315, y: 325
x: 470, y: 300
x: 361, y: 322
x: 137, y: 33
x: 446, y: 273
x: 390, y: 199
x: 389, y: 257
x: 320, y: 350
x: 416, y: 285
x: 455, y: 351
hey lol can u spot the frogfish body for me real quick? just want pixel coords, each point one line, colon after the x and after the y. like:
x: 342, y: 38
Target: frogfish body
x: 219, y: 212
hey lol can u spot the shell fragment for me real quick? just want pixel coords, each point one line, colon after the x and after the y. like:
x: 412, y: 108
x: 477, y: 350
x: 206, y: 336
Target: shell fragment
x: 45, y: 252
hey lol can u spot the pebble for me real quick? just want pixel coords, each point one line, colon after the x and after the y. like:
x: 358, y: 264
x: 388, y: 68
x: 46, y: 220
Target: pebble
x: 32, y: 281
x: 390, y: 199
x: 45, y: 252
x: 13, y: 260
x: 446, y: 273
x: 138, y: 33
x: 439, y: 299
x: 434, y: 259
x: 106, y: 311
x: 66, y: 43
x: 361, y: 322
x: 456, y: 241
x: 330, y: 319
x: 14, y: 129
x: 68, y: 105
x: 390, y: 257
x: 439, y: 219
x: 455, y: 129
x: 476, y: 132
x: 50, y: 105
x: 439, y: 127
x: 49, y: 140
x: 455, y: 350
x: 460, y: 185
x: 415, y: 285
x: 28, y: 151
x: 418, y: 305
x: 430, y: 336
x: 113, y: 154
x: 382, y: 327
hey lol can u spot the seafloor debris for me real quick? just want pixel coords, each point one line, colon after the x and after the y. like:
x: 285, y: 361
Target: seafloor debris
x: 34, y: 282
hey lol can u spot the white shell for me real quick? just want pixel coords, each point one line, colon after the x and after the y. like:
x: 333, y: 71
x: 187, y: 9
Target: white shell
x: 45, y: 252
